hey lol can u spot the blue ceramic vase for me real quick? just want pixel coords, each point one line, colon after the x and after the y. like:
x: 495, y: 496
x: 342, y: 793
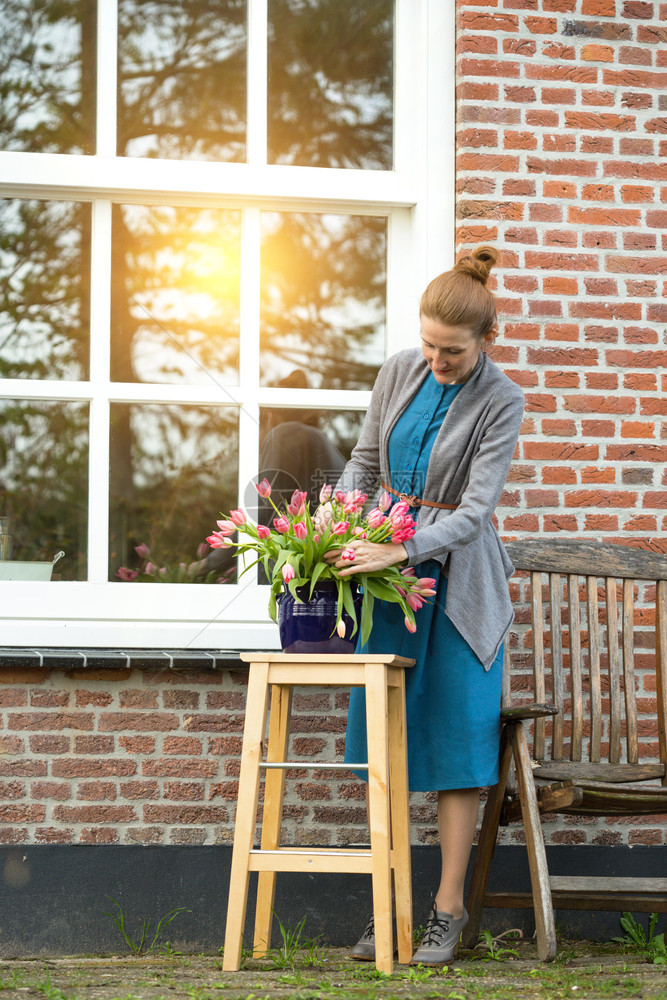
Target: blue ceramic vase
x: 310, y: 627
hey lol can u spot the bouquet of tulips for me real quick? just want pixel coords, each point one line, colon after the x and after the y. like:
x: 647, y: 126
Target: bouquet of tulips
x: 293, y: 551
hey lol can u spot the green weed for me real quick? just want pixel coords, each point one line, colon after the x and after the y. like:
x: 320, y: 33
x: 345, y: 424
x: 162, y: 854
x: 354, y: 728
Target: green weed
x: 653, y: 947
x: 494, y: 952
x: 418, y: 973
x: 137, y: 947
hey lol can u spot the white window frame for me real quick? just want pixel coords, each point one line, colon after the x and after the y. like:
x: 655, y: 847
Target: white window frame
x: 416, y: 197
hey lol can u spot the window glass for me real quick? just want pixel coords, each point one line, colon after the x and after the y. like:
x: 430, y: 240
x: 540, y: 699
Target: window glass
x: 173, y: 470
x: 323, y: 299
x: 47, y: 76
x: 44, y: 482
x: 44, y: 289
x: 330, y: 91
x: 182, y: 79
x: 175, y: 294
x: 302, y: 449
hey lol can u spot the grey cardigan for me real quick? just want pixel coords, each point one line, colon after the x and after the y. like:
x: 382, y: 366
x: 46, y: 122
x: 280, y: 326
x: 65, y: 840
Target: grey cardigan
x: 468, y: 466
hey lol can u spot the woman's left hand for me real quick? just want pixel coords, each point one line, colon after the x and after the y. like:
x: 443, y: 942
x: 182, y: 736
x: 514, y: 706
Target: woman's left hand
x: 368, y: 556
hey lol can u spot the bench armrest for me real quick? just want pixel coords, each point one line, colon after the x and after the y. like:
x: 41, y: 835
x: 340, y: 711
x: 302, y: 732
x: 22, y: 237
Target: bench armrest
x: 533, y: 711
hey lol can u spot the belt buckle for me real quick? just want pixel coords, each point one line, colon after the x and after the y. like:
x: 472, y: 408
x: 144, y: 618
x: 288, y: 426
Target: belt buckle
x: 409, y: 498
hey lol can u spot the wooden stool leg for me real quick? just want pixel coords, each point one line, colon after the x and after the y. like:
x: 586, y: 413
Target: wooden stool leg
x: 246, y: 812
x: 378, y: 798
x: 486, y: 845
x: 279, y: 716
x: 400, y: 817
x: 537, y: 858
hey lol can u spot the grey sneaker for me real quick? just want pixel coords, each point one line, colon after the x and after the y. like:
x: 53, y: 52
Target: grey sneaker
x: 441, y: 939
x: 364, y: 949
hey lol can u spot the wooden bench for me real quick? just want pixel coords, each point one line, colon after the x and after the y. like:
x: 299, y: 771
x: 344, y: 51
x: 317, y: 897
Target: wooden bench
x: 605, y: 620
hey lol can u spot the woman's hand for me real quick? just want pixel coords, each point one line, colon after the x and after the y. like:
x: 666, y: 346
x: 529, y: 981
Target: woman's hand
x: 368, y: 556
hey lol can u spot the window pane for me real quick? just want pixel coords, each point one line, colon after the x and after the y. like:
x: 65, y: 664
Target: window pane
x: 173, y: 470
x: 44, y: 482
x: 47, y: 76
x: 182, y: 79
x: 175, y: 295
x: 323, y: 299
x: 44, y: 289
x: 302, y: 449
x: 331, y: 86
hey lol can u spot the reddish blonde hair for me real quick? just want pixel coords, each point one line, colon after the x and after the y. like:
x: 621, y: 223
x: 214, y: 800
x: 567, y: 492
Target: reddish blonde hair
x: 460, y: 297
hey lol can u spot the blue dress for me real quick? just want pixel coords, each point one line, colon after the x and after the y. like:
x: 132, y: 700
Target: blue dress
x: 452, y: 703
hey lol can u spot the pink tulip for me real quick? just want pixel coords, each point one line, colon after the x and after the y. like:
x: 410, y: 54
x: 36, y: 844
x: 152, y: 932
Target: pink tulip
x: 340, y: 527
x: 425, y: 581
x: 281, y: 524
x: 400, y: 510
x: 340, y: 496
x: 402, y: 535
x: 385, y: 501
x: 348, y: 554
x: 226, y: 527
x: 123, y: 573
x: 415, y: 601
x: 218, y: 540
x: 150, y: 568
x: 410, y: 626
x: 340, y: 628
x: 202, y: 550
x: 325, y: 493
x: 237, y: 517
x: 402, y: 591
x: 300, y: 530
x: 297, y: 503
x: 316, y: 538
x: 288, y: 572
x: 263, y: 532
x: 409, y: 571
x: 359, y: 532
x: 376, y: 518
x: 263, y: 488
x: 142, y: 550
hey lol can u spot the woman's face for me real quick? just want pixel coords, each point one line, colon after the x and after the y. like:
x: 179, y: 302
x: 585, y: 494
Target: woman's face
x: 451, y: 351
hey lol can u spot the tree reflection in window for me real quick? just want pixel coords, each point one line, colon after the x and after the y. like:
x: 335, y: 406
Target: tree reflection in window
x: 175, y: 294
x: 47, y: 76
x: 330, y: 87
x: 44, y: 481
x: 169, y: 480
x: 182, y: 79
x: 44, y: 289
x: 323, y: 298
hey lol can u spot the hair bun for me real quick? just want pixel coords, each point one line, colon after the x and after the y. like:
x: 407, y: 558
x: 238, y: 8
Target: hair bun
x: 478, y: 264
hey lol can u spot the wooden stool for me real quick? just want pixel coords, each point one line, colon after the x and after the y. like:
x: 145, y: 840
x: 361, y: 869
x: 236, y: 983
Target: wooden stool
x: 383, y: 678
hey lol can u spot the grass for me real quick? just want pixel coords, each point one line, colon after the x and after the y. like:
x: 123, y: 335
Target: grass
x: 587, y: 972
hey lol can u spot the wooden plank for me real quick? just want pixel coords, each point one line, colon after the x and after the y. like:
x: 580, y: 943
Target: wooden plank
x: 377, y: 711
x: 538, y: 656
x: 567, y: 770
x: 246, y: 812
x: 574, y: 628
x: 303, y: 765
x: 331, y: 659
x: 661, y: 671
x: 272, y: 812
x: 400, y: 820
x: 619, y: 800
x: 506, y: 695
x: 628, y: 633
x: 612, y: 883
x: 532, y: 711
x: 583, y: 558
x: 613, y: 671
x: 594, y: 668
x: 635, y: 902
x: 279, y: 861
x: 558, y: 798
x: 537, y: 860
x: 558, y: 688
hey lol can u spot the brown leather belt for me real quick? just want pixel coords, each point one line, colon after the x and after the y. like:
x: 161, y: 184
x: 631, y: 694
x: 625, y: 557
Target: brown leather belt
x: 413, y: 501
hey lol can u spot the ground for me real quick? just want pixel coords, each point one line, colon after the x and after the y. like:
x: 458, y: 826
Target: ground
x: 582, y: 970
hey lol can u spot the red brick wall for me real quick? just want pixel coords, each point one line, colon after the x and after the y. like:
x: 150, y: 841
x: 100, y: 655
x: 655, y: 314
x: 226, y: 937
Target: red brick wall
x: 562, y: 163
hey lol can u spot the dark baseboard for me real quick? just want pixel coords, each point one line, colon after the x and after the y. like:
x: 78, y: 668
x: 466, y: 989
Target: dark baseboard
x: 54, y: 896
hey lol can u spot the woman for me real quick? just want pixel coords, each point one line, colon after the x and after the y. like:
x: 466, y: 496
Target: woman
x: 442, y: 427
